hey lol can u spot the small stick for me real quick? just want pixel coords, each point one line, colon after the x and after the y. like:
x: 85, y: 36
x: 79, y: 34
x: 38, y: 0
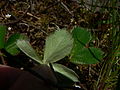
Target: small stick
x: 66, y: 8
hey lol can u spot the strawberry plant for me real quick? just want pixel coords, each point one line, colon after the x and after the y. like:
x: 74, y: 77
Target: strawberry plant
x: 82, y: 53
x: 58, y: 45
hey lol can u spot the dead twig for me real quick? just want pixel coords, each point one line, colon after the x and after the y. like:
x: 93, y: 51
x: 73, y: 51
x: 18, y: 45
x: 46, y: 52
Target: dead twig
x: 36, y: 27
x: 55, y: 3
x: 66, y: 8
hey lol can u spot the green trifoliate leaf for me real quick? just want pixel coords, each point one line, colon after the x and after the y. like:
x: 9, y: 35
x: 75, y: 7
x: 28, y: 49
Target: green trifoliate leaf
x: 25, y: 47
x: 57, y: 46
x: 80, y: 53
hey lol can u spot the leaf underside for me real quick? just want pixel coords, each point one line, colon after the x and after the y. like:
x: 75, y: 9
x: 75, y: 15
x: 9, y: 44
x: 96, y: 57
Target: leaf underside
x: 57, y: 46
x: 69, y: 73
x: 25, y: 47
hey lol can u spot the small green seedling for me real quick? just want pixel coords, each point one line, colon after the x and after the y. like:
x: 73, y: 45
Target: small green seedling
x: 57, y: 46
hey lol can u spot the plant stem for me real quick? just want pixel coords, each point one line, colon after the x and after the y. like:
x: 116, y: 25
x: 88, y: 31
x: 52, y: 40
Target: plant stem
x: 2, y: 58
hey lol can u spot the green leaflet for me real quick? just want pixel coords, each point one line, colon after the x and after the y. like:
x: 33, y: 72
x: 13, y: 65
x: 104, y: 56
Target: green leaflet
x: 87, y: 56
x: 81, y: 35
x: 11, y: 46
x: 25, y: 46
x: 57, y: 46
x: 69, y: 73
